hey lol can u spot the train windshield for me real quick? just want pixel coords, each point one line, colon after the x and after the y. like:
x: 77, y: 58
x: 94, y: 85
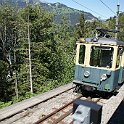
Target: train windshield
x: 101, y: 56
x: 81, y: 54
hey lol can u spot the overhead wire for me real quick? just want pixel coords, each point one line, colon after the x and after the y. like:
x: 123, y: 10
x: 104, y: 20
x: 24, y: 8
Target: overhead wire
x: 107, y: 6
x: 88, y: 8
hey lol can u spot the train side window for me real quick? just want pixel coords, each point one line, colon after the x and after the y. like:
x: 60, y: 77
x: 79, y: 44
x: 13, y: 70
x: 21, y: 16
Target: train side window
x: 120, y: 51
x: 118, y: 61
x: 82, y: 54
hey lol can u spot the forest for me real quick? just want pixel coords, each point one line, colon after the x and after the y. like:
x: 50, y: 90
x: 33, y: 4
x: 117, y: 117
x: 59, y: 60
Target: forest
x: 36, y: 54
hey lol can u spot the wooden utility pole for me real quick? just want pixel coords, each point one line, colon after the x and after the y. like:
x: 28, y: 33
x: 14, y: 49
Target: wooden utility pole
x: 16, y: 74
x: 29, y: 50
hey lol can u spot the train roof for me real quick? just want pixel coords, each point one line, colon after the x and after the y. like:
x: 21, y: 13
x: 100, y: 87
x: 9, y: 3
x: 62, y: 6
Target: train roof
x: 108, y: 41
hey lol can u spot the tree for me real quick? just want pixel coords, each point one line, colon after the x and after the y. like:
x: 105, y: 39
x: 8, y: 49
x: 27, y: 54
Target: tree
x: 51, y: 49
x: 65, y: 48
x: 45, y: 58
x: 81, y: 27
x: 121, y: 27
x: 111, y: 24
x: 7, y: 42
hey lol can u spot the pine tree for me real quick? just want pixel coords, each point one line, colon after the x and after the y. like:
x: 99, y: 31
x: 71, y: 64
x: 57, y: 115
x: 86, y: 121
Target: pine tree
x: 81, y: 27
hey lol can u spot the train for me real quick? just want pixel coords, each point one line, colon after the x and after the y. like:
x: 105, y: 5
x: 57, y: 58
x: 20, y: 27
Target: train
x: 99, y: 64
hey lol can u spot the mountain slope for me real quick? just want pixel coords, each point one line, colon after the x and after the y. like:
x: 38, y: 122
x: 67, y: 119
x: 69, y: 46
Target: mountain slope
x: 62, y: 10
x: 58, y: 9
x: 20, y: 3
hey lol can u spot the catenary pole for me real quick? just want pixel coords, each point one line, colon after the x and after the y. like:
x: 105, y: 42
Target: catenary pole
x: 117, y: 16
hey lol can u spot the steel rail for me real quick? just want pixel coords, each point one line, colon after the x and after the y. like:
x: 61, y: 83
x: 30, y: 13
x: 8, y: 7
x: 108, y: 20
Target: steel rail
x: 54, y: 112
x: 62, y: 117
x: 70, y: 111
x: 9, y: 116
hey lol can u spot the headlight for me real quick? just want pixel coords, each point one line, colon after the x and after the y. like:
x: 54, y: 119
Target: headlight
x: 87, y: 74
x: 103, y: 77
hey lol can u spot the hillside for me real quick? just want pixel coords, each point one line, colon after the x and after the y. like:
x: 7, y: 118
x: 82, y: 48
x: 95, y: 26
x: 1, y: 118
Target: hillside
x: 58, y: 9
x: 62, y: 10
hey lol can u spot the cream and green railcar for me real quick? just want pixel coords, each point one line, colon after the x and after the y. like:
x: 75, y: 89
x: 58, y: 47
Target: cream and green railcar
x: 99, y: 64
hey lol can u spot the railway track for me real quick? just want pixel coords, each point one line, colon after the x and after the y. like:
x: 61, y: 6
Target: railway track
x: 44, y: 109
x: 61, y: 109
x: 25, y: 105
x: 52, y: 108
x: 63, y: 112
x: 14, y: 113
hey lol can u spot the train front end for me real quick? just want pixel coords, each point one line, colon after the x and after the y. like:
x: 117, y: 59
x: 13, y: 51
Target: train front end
x: 99, y: 65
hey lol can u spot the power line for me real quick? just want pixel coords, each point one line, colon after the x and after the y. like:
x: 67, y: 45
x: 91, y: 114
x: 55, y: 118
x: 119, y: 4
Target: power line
x: 107, y: 6
x: 88, y: 8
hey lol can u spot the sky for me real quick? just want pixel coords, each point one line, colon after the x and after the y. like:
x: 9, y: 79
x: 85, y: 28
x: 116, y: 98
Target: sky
x: 95, y: 7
